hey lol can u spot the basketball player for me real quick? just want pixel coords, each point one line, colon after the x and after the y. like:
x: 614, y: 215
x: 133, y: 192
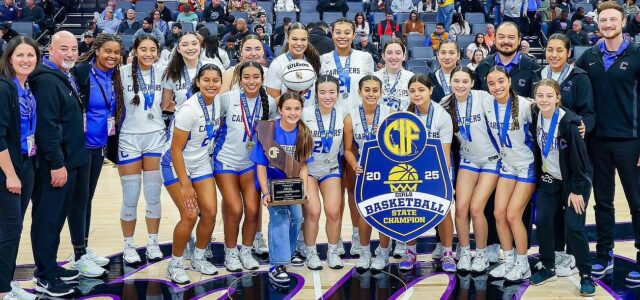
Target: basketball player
x: 234, y: 172
x: 142, y: 136
x: 349, y: 66
x: 448, y: 56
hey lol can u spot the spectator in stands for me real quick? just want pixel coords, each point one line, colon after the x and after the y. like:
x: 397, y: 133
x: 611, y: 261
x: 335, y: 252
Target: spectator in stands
x: 332, y: 6
x: 525, y: 47
x: 195, y: 5
x: 549, y: 15
x: 147, y: 28
x: 560, y: 25
x: 387, y: 27
x: 532, y: 25
x: 87, y: 42
x: 262, y: 21
x: 467, y: 6
x: 369, y: 47
x: 589, y: 24
x: 319, y: 39
x: 211, y: 49
x: 476, y: 58
x: 33, y: 13
x: 285, y: 5
x: 578, y: 15
x: 380, y: 6
x: 118, y: 14
x: 174, y: 36
x: 259, y: 31
x: 402, y: 6
x: 445, y: 12
x: 362, y: 26
x: 577, y: 36
x: 91, y: 26
x: 633, y: 27
x: 281, y: 32
x: 187, y: 15
x: 630, y: 8
x: 230, y: 48
x: 49, y: 7
x: 130, y: 25
x: 426, y: 6
x: 254, y: 11
x: 237, y: 6
x: 564, y: 5
x: 159, y: 23
x: 437, y: 37
x: 412, y: 26
x: 214, y: 13
x: 478, y: 44
x: 459, y: 26
x: 490, y: 37
x: 165, y: 13
x: 514, y: 11
x: 9, y: 12
x: 109, y: 24
x: 242, y: 28
x: 6, y: 32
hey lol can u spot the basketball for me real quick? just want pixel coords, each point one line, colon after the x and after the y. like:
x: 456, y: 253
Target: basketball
x: 403, y: 172
x: 298, y: 75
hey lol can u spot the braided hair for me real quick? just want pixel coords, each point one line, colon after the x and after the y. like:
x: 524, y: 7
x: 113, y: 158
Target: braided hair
x: 135, y: 65
x: 264, y: 100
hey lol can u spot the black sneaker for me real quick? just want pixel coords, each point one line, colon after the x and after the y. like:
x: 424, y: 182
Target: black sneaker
x: 587, y: 286
x: 53, y: 287
x: 297, y: 260
x: 279, y: 275
x: 66, y: 274
x: 543, y: 276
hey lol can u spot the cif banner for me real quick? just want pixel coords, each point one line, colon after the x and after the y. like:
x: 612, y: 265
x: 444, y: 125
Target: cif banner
x: 405, y: 188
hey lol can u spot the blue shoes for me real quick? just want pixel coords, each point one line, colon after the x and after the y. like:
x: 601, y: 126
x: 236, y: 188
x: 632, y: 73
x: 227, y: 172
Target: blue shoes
x: 602, y: 265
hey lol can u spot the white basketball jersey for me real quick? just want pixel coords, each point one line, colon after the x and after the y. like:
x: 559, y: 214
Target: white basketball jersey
x: 479, y: 148
x: 320, y: 157
x: 360, y: 64
x: 236, y: 86
x: 138, y: 119
x: 395, y: 88
x: 551, y: 163
x: 274, y: 79
x: 359, y: 135
x: 441, y: 126
x: 516, y: 151
x: 231, y: 145
x: 181, y: 87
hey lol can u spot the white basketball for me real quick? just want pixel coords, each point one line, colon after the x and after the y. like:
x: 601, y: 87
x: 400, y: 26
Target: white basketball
x: 298, y: 75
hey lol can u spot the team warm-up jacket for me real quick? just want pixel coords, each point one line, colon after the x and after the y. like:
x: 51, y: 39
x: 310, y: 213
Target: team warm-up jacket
x: 521, y: 76
x: 615, y: 92
x: 574, y: 162
x: 60, y: 131
x: 10, y: 138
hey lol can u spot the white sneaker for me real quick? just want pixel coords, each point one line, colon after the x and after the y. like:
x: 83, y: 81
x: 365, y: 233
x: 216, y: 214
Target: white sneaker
x: 480, y: 263
x: 188, y: 251
x: 208, y: 253
x: 464, y: 260
x: 355, y: 245
x: 398, y: 251
x: 567, y: 267
x: 176, y: 273
x: 260, y: 245
x: 153, y: 252
x: 340, y: 248
x: 313, y: 261
x: 519, y: 272
x: 437, y: 252
x: 501, y: 270
x: 203, y: 266
x: 18, y: 293
x: 130, y: 256
x: 333, y: 259
x: 232, y: 260
x: 88, y: 268
x: 247, y: 260
x: 380, y: 261
x: 97, y: 259
x: 364, y: 262
x: 493, y: 253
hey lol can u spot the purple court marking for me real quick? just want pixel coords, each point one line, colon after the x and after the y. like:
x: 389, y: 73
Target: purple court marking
x: 399, y: 292
x: 450, y: 288
x: 521, y: 290
x: 339, y: 284
x: 230, y: 290
x: 177, y: 288
x: 113, y: 297
x: 607, y: 288
x: 297, y: 288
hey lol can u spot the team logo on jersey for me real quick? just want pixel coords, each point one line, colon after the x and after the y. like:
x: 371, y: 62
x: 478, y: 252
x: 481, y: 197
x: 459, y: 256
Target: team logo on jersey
x: 405, y: 188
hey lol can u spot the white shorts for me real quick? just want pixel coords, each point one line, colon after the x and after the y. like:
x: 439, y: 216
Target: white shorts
x: 492, y: 166
x: 222, y: 168
x: 322, y: 172
x: 196, y: 173
x: 133, y: 146
x: 524, y: 173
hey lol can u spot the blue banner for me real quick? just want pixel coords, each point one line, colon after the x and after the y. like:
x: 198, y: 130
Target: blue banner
x: 405, y: 188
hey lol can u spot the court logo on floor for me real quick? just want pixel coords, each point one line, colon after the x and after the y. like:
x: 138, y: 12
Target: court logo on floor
x: 405, y: 188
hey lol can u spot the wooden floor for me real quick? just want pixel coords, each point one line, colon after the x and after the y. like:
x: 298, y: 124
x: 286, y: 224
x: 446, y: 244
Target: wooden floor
x: 106, y: 239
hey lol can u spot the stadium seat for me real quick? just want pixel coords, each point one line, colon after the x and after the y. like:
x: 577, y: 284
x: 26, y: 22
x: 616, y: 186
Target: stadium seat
x: 378, y: 17
x: 415, y: 40
x: 355, y: 7
x: 352, y: 16
x: 127, y: 41
x: 123, y: 5
x: 402, y: 17
x: 282, y: 14
x: 213, y: 27
x: 464, y: 62
x: 423, y: 53
x: 578, y: 50
x: 308, y: 6
x: 479, y: 28
x: 187, y: 27
x: 420, y: 70
x: 240, y: 14
x: 586, y: 6
x: 268, y: 8
x: 415, y: 63
x: 384, y: 39
x: 310, y: 17
x: 429, y: 28
x: 330, y: 17
x: 145, y: 6
x: 173, y: 5
x: 464, y: 40
x: 141, y: 15
x: 24, y: 28
x: 429, y: 17
x: 474, y: 17
x: 277, y: 50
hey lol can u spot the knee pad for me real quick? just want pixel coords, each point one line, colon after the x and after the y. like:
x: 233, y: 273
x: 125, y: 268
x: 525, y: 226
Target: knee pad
x: 152, y: 184
x: 130, y: 196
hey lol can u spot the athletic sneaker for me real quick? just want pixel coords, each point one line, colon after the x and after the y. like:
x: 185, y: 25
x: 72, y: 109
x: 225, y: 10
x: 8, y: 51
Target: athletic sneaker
x: 464, y: 260
x: 341, y: 251
x: 313, y: 261
x: 279, y: 274
x: 520, y: 271
x: 232, y: 260
x: 364, y: 262
x: 153, y: 252
x: 567, y: 266
x: 408, y: 260
x: 333, y: 259
x: 297, y: 260
x: 480, y: 263
x: 356, y: 248
x: 176, y: 273
x: 380, y: 261
x: 247, y: 260
x: 88, y: 268
x: 493, y: 253
x: 19, y: 293
x: 602, y: 264
x: 203, y: 266
x: 53, y: 287
x: 587, y: 286
x: 97, y: 259
x: 543, y: 276
x: 399, y: 250
x: 208, y: 253
x: 437, y: 252
x: 65, y: 274
x: 448, y: 263
x: 131, y: 256
x: 260, y: 245
x: 501, y: 270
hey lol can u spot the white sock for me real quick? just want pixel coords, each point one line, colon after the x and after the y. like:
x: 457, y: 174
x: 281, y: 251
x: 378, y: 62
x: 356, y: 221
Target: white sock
x: 480, y: 250
x: 231, y: 249
x: 176, y: 260
x: 246, y: 248
x: 366, y: 248
x: 258, y: 235
x: 447, y: 249
x: 153, y: 239
x: 412, y: 248
x: 356, y: 231
x: 508, y: 253
x: 332, y: 247
x: 311, y: 248
x: 198, y: 253
x: 385, y: 250
x: 522, y: 258
x: 128, y: 242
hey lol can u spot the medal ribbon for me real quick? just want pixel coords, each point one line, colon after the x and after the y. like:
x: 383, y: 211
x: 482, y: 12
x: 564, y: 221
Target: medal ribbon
x: 108, y: 101
x: 368, y: 132
x: 207, y: 118
x: 546, y: 146
x: 187, y: 79
x: 502, y: 130
x: 327, y: 137
x: 563, y: 73
x: 465, y: 125
x: 429, y: 116
x: 70, y: 77
x: 443, y: 82
x: 148, y: 90
x: 343, y: 73
x: 247, y: 119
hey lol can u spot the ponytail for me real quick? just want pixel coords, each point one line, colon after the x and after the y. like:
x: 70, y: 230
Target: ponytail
x: 515, y: 109
x: 116, y: 80
x: 264, y: 100
x: 451, y: 109
x: 136, y: 85
x: 304, y: 142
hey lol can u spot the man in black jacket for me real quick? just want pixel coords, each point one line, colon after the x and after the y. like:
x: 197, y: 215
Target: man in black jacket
x: 62, y: 185
x: 165, y: 12
x: 33, y: 13
x: 319, y: 39
x: 613, y: 66
x: 332, y: 6
x: 130, y: 25
x: 366, y: 46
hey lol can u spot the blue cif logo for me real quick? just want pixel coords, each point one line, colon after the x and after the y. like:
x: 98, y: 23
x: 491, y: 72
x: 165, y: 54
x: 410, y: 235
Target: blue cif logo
x: 405, y: 188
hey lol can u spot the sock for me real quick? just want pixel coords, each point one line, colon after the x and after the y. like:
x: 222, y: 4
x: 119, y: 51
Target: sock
x: 198, y: 253
x: 463, y: 248
x: 258, y: 235
x: 153, y: 239
x: 311, y: 248
x: 230, y: 249
x: 78, y: 252
x: 385, y: 250
x: 412, y: 248
x: 480, y: 250
x: 245, y: 248
x: 176, y: 260
x: 332, y: 247
x: 508, y: 254
x: 128, y: 242
x: 366, y: 248
x: 446, y: 249
x: 522, y: 258
x: 356, y: 231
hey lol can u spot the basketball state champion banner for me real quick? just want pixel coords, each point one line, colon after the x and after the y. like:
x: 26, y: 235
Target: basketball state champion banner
x: 405, y: 188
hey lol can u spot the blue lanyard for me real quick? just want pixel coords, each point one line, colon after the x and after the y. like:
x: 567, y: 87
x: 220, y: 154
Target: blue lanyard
x: 392, y: 90
x: 343, y: 73
x: 207, y: 119
x: 368, y: 132
x: 70, y: 77
x: 546, y: 146
x: 108, y: 101
x: 249, y: 120
x: 187, y: 79
x: 502, y: 130
x: 148, y: 90
x: 465, y: 125
x: 563, y: 73
x: 327, y: 137
x: 429, y: 116
x: 443, y: 83
x: 27, y: 105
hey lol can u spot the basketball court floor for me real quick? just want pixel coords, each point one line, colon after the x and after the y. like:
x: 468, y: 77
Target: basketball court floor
x: 147, y: 281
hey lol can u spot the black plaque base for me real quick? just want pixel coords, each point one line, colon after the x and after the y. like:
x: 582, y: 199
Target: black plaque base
x: 287, y: 192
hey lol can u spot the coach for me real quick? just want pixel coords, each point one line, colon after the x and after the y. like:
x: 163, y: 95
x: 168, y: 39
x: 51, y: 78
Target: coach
x: 613, y: 65
x: 62, y: 172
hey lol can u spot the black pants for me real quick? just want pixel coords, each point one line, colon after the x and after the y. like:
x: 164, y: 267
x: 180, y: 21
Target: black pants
x: 96, y: 159
x: 50, y: 208
x: 552, y: 198
x: 609, y: 156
